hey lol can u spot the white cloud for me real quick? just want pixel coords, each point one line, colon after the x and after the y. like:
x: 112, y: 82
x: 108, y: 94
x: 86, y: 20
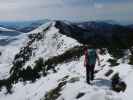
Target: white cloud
x: 64, y: 9
x: 98, y: 5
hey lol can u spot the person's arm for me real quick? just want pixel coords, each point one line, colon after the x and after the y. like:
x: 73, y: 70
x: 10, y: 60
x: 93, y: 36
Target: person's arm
x: 98, y: 59
x: 85, y: 53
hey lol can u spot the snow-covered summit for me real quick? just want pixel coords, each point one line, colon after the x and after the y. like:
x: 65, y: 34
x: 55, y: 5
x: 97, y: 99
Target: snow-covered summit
x: 52, y: 43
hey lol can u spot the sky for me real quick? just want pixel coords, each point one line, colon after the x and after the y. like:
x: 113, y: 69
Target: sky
x: 120, y: 10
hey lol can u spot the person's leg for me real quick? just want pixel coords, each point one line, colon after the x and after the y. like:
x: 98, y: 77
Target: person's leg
x: 92, y: 68
x: 88, y: 74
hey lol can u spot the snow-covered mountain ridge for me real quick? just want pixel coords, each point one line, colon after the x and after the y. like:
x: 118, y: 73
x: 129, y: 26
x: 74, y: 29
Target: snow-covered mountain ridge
x: 67, y: 80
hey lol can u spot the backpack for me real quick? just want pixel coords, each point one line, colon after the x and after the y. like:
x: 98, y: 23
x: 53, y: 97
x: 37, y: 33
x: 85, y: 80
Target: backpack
x: 91, y: 56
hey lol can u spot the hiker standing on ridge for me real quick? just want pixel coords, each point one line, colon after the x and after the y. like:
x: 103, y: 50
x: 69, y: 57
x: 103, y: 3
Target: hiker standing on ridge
x: 91, y: 56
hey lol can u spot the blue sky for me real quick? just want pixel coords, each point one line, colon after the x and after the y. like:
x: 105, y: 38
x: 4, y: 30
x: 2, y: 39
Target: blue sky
x: 119, y: 10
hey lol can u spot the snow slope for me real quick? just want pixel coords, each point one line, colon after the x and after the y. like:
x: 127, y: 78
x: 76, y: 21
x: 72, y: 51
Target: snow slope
x: 8, y: 53
x: 53, y: 44
x: 36, y: 91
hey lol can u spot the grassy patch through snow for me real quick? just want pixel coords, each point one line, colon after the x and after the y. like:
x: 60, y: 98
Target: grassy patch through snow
x: 55, y: 93
x: 113, y: 62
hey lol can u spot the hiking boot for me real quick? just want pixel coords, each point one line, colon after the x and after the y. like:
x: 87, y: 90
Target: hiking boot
x: 88, y: 82
x: 92, y: 82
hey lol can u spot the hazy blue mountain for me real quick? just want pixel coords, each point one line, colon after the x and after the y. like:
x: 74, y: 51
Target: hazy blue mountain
x: 23, y: 26
x: 7, y: 32
x: 131, y: 26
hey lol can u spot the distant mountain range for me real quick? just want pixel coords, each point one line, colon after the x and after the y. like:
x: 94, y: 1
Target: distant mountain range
x: 8, y: 35
x: 131, y: 26
x: 8, y: 32
x: 23, y: 26
x: 98, y: 33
